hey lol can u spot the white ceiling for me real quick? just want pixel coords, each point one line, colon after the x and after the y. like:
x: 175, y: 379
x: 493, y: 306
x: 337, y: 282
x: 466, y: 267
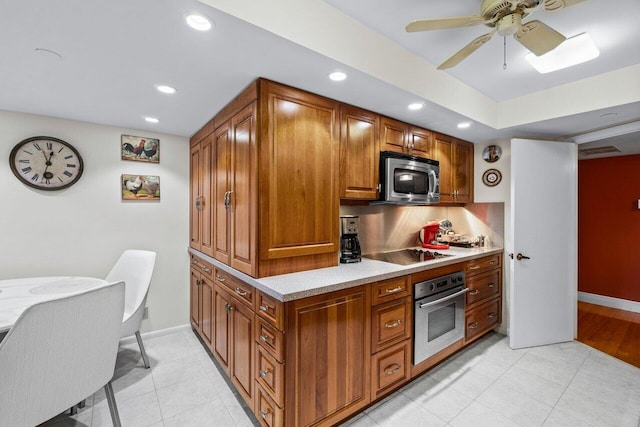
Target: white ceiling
x: 112, y: 53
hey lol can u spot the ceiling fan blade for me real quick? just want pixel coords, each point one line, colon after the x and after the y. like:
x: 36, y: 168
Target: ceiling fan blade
x: 466, y: 51
x: 552, y: 5
x: 538, y: 37
x: 444, y: 23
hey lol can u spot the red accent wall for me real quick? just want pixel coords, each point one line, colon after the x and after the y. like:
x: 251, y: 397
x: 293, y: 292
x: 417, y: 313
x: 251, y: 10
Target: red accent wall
x: 609, y: 227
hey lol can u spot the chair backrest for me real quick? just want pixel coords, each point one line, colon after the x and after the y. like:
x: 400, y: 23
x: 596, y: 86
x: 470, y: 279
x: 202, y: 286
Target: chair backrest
x: 135, y: 268
x: 58, y: 353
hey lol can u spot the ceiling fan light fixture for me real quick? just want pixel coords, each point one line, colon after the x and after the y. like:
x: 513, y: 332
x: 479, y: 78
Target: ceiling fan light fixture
x: 573, y: 51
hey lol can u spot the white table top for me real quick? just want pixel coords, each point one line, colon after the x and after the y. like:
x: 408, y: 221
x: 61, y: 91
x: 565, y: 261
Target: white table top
x: 18, y: 294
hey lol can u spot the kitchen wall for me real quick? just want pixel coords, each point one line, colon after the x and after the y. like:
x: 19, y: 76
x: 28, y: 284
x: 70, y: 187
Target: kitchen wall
x: 83, y: 229
x: 609, y: 228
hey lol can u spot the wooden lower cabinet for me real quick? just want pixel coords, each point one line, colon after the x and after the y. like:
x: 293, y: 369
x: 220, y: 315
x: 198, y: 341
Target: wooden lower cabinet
x: 201, y: 297
x: 483, y: 305
x: 390, y: 368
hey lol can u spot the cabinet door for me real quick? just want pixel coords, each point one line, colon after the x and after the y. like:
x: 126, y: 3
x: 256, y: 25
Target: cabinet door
x: 328, y: 357
x: 444, y: 154
x: 463, y: 171
x: 394, y: 135
x: 242, y: 349
x: 243, y: 199
x: 206, y: 304
x: 420, y: 142
x: 221, y: 347
x: 196, y: 197
x: 299, y: 198
x: 195, y: 299
x: 359, y: 153
x: 206, y: 175
x: 221, y: 190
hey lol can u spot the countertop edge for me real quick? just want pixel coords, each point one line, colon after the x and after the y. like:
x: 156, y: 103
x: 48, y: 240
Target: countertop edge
x: 277, y: 286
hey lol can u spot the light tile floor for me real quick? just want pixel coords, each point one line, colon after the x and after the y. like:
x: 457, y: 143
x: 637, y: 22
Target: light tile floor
x: 487, y: 384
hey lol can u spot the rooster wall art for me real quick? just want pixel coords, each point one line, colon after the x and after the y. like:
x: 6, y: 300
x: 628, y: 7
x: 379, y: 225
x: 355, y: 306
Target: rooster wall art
x: 140, y: 149
x: 140, y: 187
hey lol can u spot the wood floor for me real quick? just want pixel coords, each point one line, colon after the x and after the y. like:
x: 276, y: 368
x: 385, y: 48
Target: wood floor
x: 612, y: 331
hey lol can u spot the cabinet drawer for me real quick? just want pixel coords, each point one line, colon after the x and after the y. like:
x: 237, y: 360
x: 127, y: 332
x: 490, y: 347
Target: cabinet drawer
x: 202, y: 266
x: 481, y: 265
x: 390, y: 323
x: 270, y: 339
x: 483, y: 318
x: 483, y: 286
x: 388, y: 290
x: 270, y: 375
x: 242, y: 291
x: 390, y: 368
x: 267, y: 412
x: 270, y: 309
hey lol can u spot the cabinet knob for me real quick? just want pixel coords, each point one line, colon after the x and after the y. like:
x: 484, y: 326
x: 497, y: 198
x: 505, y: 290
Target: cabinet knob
x: 264, y: 373
x: 266, y: 339
x: 265, y: 414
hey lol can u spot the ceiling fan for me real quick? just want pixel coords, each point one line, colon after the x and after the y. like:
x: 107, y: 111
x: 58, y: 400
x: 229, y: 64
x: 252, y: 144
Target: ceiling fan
x: 505, y: 17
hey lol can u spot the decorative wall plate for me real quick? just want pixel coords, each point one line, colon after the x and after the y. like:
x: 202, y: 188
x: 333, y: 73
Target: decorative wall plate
x: 492, y: 153
x: 491, y: 177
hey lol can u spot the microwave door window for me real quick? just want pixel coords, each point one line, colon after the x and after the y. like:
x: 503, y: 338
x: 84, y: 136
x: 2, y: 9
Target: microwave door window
x: 410, y: 182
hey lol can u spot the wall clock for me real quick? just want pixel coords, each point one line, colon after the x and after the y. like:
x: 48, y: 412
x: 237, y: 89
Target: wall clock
x: 46, y: 163
x: 491, y: 177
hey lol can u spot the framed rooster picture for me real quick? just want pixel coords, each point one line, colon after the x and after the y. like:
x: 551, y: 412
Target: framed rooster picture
x: 140, y: 187
x: 140, y: 148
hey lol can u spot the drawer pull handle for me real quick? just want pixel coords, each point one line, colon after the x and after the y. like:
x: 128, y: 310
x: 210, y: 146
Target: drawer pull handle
x: 492, y: 262
x: 266, y: 339
x: 206, y: 270
x: 474, y: 267
x: 265, y: 308
x: 474, y: 292
x: 264, y: 414
x: 492, y: 285
x: 220, y: 278
x: 264, y: 373
x: 394, y: 324
x: 492, y: 314
x: 241, y: 292
x: 390, y: 370
x: 194, y: 261
x: 393, y: 290
x: 474, y: 325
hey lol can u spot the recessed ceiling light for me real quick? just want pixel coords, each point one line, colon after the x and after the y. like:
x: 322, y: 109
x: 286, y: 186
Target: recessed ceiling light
x: 165, y: 89
x: 337, y: 76
x: 572, y: 51
x: 198, y: 22
x: 151, y: 119
x: 608, y: 115
x: 416, y: 106
x: 464, y: 125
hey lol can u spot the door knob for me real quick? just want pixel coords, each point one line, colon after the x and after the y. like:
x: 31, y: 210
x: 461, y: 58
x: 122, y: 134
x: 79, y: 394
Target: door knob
x: 521, y: 257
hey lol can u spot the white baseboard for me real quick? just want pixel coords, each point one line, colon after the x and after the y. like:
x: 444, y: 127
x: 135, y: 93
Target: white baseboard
x: 618, y: 303
x: 157, y: 333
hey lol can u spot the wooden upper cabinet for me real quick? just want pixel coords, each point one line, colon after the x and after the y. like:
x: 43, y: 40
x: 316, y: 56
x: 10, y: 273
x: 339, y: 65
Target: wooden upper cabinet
x: 359, y: 153
x: 456, y: 169
x: 420, y: 142
x: 394, y: 135
x: 298, y: 158
x: 201, y: 181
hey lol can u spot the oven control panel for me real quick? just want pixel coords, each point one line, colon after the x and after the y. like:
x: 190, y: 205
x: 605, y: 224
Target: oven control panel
x: 438, y: 284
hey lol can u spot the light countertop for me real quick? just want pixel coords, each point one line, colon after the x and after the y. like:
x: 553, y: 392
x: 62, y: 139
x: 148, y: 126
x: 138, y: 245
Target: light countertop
x: 293, y: 286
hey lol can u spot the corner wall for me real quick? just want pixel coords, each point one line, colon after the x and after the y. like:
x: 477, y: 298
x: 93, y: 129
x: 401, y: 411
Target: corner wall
x: 82, y: 230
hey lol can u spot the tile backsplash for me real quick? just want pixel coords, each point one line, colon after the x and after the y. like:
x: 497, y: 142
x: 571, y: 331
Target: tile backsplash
x: 389, y: 227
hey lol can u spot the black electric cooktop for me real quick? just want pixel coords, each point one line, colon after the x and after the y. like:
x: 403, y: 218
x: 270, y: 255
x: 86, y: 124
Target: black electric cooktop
x: 406, y: 256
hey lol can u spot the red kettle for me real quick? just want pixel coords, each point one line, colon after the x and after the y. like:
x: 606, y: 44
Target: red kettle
x: 428, y: 236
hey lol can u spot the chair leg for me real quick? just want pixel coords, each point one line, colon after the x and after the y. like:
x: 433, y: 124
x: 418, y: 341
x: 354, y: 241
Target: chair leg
x: 113, y: 408
x: 145, y: 359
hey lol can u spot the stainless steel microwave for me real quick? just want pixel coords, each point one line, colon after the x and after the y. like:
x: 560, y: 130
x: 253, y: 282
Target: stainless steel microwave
x: 408, y: 180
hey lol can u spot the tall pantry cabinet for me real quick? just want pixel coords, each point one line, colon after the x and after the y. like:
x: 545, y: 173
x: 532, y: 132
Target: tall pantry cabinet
x: 273, y: 186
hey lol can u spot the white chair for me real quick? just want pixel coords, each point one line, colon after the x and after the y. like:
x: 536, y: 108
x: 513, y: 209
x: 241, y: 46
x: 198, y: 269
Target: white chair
x: 135, y: 268
x: 59, y: 352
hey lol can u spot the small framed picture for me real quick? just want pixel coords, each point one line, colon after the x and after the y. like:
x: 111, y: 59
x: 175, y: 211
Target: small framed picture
x: 140, y: 187
x: 140, y: 148
x: 492, y: 153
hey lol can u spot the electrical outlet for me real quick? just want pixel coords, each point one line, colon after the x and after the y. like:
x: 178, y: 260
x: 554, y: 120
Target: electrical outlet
x: 145, y: 315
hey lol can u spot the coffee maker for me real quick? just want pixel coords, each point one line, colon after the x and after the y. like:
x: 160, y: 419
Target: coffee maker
x: 349, y: 244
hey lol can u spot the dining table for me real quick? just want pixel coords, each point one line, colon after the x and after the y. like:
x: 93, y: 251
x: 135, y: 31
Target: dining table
x: 16, y: 295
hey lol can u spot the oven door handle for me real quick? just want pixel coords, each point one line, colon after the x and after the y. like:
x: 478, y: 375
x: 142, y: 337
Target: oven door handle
x: 447, y: 298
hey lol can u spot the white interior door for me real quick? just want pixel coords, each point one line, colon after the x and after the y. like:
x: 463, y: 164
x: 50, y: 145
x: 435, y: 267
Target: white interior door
x: 543, y: 287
